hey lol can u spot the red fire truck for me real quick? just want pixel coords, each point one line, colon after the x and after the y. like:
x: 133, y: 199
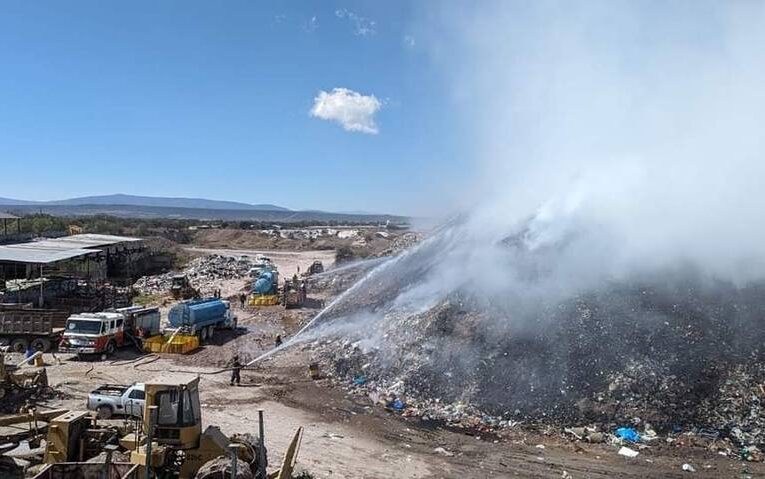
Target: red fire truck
x: 102, y: 333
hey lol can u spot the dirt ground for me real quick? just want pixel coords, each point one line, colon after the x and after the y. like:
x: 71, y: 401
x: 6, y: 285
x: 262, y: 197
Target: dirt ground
x: 348, y: 436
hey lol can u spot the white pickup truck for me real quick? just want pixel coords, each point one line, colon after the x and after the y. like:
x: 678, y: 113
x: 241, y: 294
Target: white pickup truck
x: 114, y: 399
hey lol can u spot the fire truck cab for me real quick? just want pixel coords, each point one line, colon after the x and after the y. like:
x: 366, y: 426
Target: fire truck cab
x: 93, y: 333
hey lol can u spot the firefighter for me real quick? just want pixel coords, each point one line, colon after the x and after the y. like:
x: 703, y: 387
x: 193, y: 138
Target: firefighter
x: 236, y: 367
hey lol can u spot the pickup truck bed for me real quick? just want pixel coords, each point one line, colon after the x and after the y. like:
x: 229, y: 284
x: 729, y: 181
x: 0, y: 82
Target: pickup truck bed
x: 112, y: 399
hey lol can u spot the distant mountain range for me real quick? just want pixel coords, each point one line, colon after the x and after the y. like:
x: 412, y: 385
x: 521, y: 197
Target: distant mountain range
x: 129, y: 206
x: 156, y: 201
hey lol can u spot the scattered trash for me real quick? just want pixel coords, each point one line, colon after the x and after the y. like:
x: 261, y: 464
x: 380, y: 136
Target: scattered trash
x: 397, y: 405
x: 203, y: 273
x: 751, y: 454
x: 627, y: 452
x: 332, y: 435
x: 566, y: 475
x: 688, y: 468
x: 443, y: 452
x: 540, y: 446
x: 628, y: 434
x: 359, y: 380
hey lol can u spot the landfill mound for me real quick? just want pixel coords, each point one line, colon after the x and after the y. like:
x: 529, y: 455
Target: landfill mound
x: 674, y: 348
x: 203, y: 274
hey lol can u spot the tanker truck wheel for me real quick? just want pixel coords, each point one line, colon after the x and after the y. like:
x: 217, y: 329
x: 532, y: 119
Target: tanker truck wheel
x: 2, y: 393
x: 203, y: 335
x: 210, y: 332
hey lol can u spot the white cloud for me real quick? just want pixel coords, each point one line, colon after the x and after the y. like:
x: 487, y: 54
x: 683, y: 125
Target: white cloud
x: 361, y: 26
x: 356, y: 112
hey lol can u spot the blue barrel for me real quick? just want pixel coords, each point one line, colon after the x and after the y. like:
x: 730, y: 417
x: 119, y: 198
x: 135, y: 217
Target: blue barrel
x: 197, y: 312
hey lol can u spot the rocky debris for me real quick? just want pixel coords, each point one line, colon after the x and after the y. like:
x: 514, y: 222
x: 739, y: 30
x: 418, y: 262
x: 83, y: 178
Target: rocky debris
x: 203, y: 274
x: 401, y: 243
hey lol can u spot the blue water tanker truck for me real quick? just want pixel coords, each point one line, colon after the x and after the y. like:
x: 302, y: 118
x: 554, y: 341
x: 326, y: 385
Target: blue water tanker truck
x: 202, y: 317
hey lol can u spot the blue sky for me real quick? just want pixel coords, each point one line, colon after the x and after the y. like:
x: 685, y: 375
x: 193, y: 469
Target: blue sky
x: 213, y: 99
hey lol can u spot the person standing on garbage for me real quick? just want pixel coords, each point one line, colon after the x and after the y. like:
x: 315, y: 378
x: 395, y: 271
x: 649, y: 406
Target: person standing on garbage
x: 236, y: 367
x: 242, y: 300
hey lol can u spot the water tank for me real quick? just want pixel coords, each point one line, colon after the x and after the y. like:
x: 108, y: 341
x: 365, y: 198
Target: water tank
x: 265, y: 283
x: 197, y: 312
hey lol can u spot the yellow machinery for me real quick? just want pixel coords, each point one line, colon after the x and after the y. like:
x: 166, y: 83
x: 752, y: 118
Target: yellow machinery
x: 170, y: 442
x: 175, y: 442
x: 13, y: 379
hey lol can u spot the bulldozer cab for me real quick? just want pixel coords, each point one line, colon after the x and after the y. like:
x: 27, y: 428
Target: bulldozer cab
x: 177, y: 419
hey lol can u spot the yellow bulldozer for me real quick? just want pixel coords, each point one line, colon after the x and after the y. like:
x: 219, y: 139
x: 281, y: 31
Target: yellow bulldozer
x: 170, y: 442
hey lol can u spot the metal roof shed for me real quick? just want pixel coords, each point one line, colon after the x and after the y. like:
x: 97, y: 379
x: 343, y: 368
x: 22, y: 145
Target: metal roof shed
x: 26, y: 254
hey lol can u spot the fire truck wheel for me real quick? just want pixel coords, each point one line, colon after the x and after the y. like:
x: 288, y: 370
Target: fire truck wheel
x: 41, y: 344
x: 19, y: 345
x: 110, y: 348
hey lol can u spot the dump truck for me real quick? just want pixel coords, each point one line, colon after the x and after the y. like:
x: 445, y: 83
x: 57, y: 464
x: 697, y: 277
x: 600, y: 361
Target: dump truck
x: 170, y: 441
x: 22, y: 326
x: 102, y: 333
x: 201, y: 317
x: 180, y: 288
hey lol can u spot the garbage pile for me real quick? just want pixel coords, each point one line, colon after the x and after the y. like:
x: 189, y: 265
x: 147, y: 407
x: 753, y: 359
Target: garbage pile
x: 400, y: 243
x: 202, y: 273
x: 676, y: 354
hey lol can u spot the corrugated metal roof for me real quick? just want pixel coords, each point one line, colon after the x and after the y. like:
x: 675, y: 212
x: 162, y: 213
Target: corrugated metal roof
x: 7, y: 216
x: 17, y: 254
x: 50, y: 250
x: 90, y: 240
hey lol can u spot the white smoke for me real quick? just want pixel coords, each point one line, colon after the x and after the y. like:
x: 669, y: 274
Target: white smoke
x: 636, y: 126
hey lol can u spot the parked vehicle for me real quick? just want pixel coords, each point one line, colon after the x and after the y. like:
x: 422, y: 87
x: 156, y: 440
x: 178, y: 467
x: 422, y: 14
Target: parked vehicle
x: 317, y: 267
x: 202, y: 317
x: 181, y: 288
x: 293, y: 293
x: 22, y: 325
x: 114, y: 399
x: 102, y: 333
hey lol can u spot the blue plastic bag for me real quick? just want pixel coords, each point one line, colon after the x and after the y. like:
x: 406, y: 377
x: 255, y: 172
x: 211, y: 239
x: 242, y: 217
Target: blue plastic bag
x: 628, y: 434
